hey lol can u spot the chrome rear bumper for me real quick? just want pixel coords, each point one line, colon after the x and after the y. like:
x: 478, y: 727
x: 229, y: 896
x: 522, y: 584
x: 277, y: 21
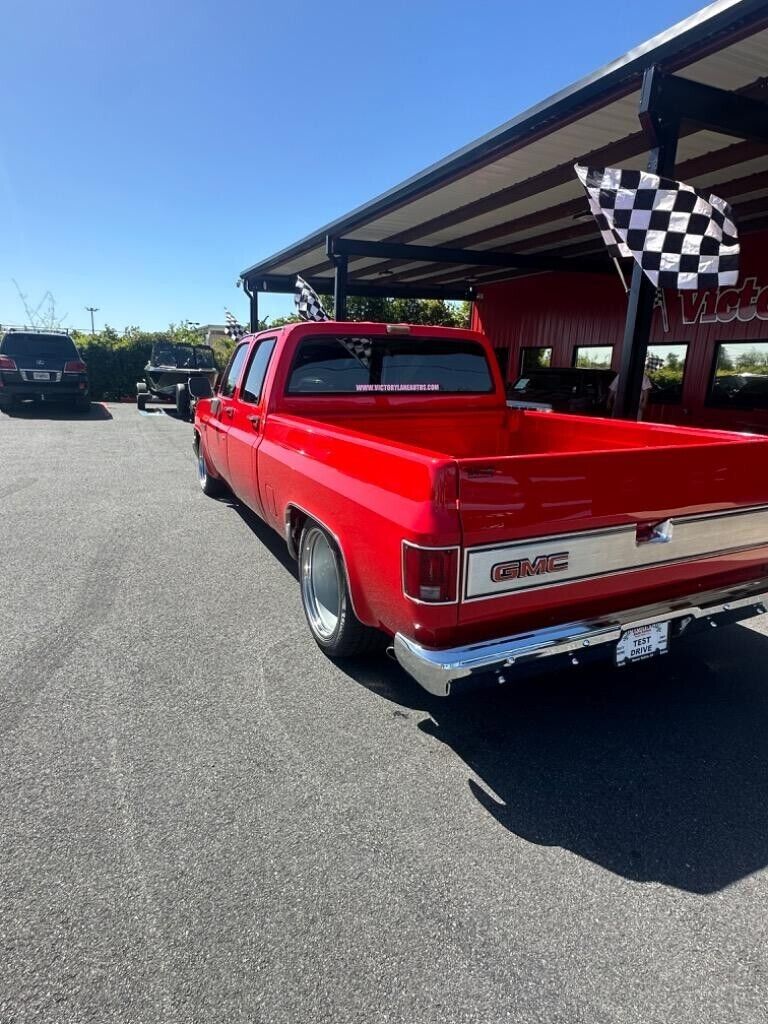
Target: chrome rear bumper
x: 437, y: 670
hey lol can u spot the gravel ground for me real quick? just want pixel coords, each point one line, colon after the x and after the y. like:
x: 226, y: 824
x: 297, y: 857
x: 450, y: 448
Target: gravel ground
x: 203, y: 819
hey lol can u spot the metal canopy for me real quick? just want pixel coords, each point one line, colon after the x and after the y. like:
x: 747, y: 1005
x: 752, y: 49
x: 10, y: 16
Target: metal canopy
x: 512, y: 195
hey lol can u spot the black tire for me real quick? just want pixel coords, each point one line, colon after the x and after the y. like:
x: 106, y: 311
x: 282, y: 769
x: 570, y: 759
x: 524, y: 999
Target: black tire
x: 325, y: 597
x: 211, y: 486
x: 83, y: 404
x: 182, y: 402
x: 141, y: 401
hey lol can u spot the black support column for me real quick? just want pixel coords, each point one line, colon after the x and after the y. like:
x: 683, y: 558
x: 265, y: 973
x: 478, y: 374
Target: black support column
x: 663, y: 132
x: 254, y: 301
x: 340, y: 288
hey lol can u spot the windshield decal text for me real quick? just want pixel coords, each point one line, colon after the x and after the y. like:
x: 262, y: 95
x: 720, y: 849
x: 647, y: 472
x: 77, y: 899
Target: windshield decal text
x: 397, y: 387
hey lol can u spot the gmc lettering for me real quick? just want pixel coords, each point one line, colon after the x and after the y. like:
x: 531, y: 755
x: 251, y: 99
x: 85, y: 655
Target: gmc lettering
x: 520, y: 568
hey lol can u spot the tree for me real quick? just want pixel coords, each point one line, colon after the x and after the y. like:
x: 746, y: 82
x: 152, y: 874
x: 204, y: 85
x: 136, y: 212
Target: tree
x: 381, y: 310
x: 673, y: 361
x: 42, y: 316
x: 724, y: 361
x: 751, y: 361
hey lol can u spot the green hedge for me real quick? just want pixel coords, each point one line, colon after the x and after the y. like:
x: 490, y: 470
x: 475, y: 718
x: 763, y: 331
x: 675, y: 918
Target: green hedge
x: 114, y: 371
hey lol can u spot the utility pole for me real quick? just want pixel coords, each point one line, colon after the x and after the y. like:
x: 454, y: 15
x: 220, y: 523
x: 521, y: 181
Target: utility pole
x: 92, y: 310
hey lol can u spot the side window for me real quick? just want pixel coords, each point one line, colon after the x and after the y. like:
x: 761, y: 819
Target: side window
x: 231, y: 375
x: 665, y: 368
x: 257, y: 371
x: 593, y: 357
x: 740, y: 375
x: 534, y: 357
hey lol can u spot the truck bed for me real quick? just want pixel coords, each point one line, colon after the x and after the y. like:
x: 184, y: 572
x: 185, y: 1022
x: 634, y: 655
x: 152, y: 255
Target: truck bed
x: 511, y: 432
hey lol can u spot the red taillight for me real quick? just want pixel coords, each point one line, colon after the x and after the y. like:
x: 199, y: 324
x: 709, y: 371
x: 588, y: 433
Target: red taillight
x: 430, y: 574
x: 75, y: 366
x: 6, y: 363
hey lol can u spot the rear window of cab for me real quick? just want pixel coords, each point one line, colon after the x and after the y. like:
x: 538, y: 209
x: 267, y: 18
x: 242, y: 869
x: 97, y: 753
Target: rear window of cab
x: 367, y: 364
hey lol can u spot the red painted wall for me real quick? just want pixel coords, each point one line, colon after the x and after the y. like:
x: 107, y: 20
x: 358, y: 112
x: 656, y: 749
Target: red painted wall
x: 567, y: 310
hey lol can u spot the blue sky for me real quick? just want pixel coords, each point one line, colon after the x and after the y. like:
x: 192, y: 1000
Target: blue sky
x: 151, y: 151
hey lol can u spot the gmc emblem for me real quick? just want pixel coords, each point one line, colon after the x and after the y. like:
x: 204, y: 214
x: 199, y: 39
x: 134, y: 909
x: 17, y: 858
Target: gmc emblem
x: 520, y: 568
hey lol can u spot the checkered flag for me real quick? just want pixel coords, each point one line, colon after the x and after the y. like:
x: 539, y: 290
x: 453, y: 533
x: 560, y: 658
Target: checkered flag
x: 308, y: 304
x: 235, y: 330
x: 681, y: 238
x: 360, y: 348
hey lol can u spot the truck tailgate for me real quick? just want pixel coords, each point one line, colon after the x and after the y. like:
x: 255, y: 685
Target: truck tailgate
x: 553, y: 534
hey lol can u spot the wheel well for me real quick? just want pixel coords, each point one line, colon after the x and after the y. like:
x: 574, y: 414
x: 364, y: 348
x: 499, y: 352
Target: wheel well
x: 295, y: 521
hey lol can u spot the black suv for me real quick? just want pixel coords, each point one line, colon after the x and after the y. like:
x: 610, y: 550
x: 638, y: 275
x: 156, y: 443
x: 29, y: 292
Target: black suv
x: 42, y: 366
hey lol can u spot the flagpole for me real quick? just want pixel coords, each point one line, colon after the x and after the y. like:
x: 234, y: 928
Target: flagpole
x: 620, y: 272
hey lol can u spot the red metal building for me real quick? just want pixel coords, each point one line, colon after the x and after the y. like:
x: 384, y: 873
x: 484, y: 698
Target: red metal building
x: 574, y: 319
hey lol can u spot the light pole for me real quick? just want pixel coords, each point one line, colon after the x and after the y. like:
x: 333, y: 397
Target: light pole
x: 92, y: 310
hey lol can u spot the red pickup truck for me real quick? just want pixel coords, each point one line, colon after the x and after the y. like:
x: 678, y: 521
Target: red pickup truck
x: 481, y: 539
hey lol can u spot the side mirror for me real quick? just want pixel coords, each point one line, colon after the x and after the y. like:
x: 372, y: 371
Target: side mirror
x: 200, y: 387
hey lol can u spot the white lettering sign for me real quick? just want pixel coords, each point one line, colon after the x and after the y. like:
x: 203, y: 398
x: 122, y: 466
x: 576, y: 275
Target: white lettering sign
x: 748, y: 302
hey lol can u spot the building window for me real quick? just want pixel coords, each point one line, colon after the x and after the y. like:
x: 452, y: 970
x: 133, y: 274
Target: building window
x: 665, y: 368
x: 593, y: 357
x: 534, y: 358
x: 740, y: 375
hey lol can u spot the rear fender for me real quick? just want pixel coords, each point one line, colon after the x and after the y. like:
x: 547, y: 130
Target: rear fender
x: 295, y: 519
x: 197, y: 440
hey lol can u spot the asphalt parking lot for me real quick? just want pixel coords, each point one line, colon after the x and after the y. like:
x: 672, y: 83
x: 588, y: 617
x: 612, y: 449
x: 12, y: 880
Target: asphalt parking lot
x: 203, y: 819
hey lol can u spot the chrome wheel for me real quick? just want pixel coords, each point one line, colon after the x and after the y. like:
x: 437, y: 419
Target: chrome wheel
x: 320, y: 584
x: 202, y: 472
x: 211, y: 486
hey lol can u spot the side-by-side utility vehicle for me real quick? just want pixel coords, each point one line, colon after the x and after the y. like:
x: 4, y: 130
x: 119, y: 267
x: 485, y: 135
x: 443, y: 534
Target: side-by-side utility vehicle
x: 168, y: 372
x: 479, y: 538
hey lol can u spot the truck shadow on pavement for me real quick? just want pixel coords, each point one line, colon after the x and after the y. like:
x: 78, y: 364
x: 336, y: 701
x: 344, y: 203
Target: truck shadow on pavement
x: 658, y: 773
x: 265, y: 534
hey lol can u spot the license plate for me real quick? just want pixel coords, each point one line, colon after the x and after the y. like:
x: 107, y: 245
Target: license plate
x: 41, y: 376
x: 642, y: 642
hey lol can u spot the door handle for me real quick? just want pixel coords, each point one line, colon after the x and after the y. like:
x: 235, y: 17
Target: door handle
x: 255, y: 421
